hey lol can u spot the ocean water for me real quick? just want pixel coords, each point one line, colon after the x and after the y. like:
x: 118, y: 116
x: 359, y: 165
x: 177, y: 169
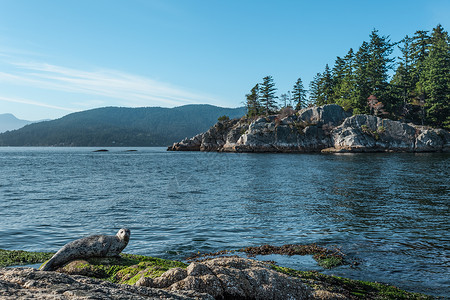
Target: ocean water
x: 389, y: 212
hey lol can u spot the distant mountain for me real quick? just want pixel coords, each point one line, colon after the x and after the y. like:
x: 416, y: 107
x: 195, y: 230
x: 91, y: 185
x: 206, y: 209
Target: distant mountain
x: 120, y: 126
x: 10, y: 122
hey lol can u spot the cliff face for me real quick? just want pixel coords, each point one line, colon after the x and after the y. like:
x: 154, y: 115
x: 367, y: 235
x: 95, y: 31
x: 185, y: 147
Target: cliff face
x: 326, y: 128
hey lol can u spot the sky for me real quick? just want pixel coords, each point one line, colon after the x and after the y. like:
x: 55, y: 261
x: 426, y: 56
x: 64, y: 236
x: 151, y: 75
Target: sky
x: 59, y: 57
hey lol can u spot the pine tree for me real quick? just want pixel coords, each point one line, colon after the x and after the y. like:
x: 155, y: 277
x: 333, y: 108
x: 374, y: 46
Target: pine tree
x: 284, y: 99
x: 373, y: 63
x: 344, y: 88
x: 315, y: 97
x: 362, y: 89
x: 253, y: 103
x: 299, y: 94
x: 321, y: 88
x: 402, y: 85
x: 327, y: 85
x: 379, y: 64
x: 421, y: 43
x: 267, y: 95
x: 337, y: 77
x: 435, y: 79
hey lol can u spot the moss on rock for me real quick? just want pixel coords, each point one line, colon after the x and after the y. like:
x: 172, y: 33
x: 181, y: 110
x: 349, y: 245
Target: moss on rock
x: 353, y: 289
x: 127, y: 268
x: 19, y: 257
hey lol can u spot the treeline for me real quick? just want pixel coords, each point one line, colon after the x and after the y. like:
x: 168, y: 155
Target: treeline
x: 121, y: 126
x: 414, y: 87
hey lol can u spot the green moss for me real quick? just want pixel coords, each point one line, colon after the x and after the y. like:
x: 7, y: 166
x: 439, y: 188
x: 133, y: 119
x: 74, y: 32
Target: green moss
x: 125, y: 269
x: 381, y: 129
x: 351, y: 288
x: 130, y: 268
x: 19, y: 257
x: 148, y: 267
x: 329, y: 262
x: 374, y: 133
x: 327, y: 258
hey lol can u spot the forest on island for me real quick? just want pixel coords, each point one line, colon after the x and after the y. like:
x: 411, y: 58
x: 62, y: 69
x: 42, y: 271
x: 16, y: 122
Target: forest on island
x: 413, y: 87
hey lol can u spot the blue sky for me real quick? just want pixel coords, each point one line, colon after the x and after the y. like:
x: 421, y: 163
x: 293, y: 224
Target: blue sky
x: 58, y: 57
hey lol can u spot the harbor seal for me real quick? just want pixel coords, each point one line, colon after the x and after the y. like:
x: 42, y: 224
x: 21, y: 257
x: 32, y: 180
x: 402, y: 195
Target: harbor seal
x: 90, y: 246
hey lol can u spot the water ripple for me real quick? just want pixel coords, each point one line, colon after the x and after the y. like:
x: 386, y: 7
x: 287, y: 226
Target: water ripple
x: 391, y: 211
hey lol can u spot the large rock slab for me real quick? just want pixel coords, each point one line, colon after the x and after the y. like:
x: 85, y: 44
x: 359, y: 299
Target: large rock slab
x: 28, y: 283
x: 233, y: 278
x: 364, y: 133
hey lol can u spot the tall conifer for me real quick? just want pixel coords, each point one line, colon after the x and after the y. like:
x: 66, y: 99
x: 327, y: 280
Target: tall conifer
x: 299, y: 94
x: 253, y: 103
x: 435, y: 79
x: 267, y: 95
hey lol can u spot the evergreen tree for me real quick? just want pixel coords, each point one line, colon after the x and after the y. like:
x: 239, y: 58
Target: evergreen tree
x: 435, y: 79
x: 402, y: 85
x: 253, y: 103
x: 321, y: 88
x: 315, y: 97
x: 337, y: 79
x: 345, y: 85
x: 327, y: 85
x: 299, y: 94
x: 421, y: 43
x: 284, y: 100
x: 372, y: 65
x: 267, y: 95
x: 362, y: 88
x: 379, y: 64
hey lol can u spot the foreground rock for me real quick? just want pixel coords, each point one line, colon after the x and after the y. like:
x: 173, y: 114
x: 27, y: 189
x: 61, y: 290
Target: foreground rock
x: 327, y: 128
x: 220, y: 278
x: 27, y: 283
x: 232, y: 278
x: 143, y: 277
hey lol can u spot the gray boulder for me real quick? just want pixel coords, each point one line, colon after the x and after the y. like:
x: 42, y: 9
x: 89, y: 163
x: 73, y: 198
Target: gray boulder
x: 238, y: 278
x: 28, y: 283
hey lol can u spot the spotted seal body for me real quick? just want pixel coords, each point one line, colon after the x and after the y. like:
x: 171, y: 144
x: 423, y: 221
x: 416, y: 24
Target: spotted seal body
x: 91, y: 246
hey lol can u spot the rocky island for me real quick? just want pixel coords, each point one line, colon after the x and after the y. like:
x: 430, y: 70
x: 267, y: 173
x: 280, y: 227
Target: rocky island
x: 326, y: 128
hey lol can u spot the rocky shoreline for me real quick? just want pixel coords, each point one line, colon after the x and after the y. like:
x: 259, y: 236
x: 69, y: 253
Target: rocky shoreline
x: 326, y: 129
x: 142, y: 277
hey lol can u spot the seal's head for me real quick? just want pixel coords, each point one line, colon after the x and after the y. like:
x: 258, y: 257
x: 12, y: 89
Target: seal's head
x: 124, y: 235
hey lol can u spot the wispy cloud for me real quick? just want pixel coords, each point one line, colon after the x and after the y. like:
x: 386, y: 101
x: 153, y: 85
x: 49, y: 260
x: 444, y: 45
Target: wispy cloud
x: 131, y: 90
x: 35, y: 103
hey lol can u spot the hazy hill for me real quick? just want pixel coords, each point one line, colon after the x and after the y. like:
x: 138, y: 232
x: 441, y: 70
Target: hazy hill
x: 119, y: 126
x: 10, y: 122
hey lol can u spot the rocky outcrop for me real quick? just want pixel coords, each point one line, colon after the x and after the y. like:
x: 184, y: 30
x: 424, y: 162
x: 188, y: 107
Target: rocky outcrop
x: 28, y: 283
x: 219, y: 278
x: 232, y: 278
x: 327, y: 128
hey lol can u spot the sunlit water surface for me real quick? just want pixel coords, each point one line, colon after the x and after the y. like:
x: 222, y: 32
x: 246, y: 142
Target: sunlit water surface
x: 388, y: 211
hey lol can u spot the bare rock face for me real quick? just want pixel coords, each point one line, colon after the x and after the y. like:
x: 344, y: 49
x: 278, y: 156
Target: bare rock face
x: 326, y: 128
x: 363, y: 133
x: 27, y: 283
x: 211, y: 140
x: 370, y: 133
x: 331, y: 114
x: 237, y: 278
x: 431, y: 139
x: 306, y: 131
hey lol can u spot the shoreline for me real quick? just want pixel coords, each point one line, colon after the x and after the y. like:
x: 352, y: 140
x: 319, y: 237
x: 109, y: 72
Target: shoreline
x: 324, y: 129
x: 132, y: 273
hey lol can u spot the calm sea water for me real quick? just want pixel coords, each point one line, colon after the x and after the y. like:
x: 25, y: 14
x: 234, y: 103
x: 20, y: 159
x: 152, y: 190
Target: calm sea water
x: 389, y: 211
